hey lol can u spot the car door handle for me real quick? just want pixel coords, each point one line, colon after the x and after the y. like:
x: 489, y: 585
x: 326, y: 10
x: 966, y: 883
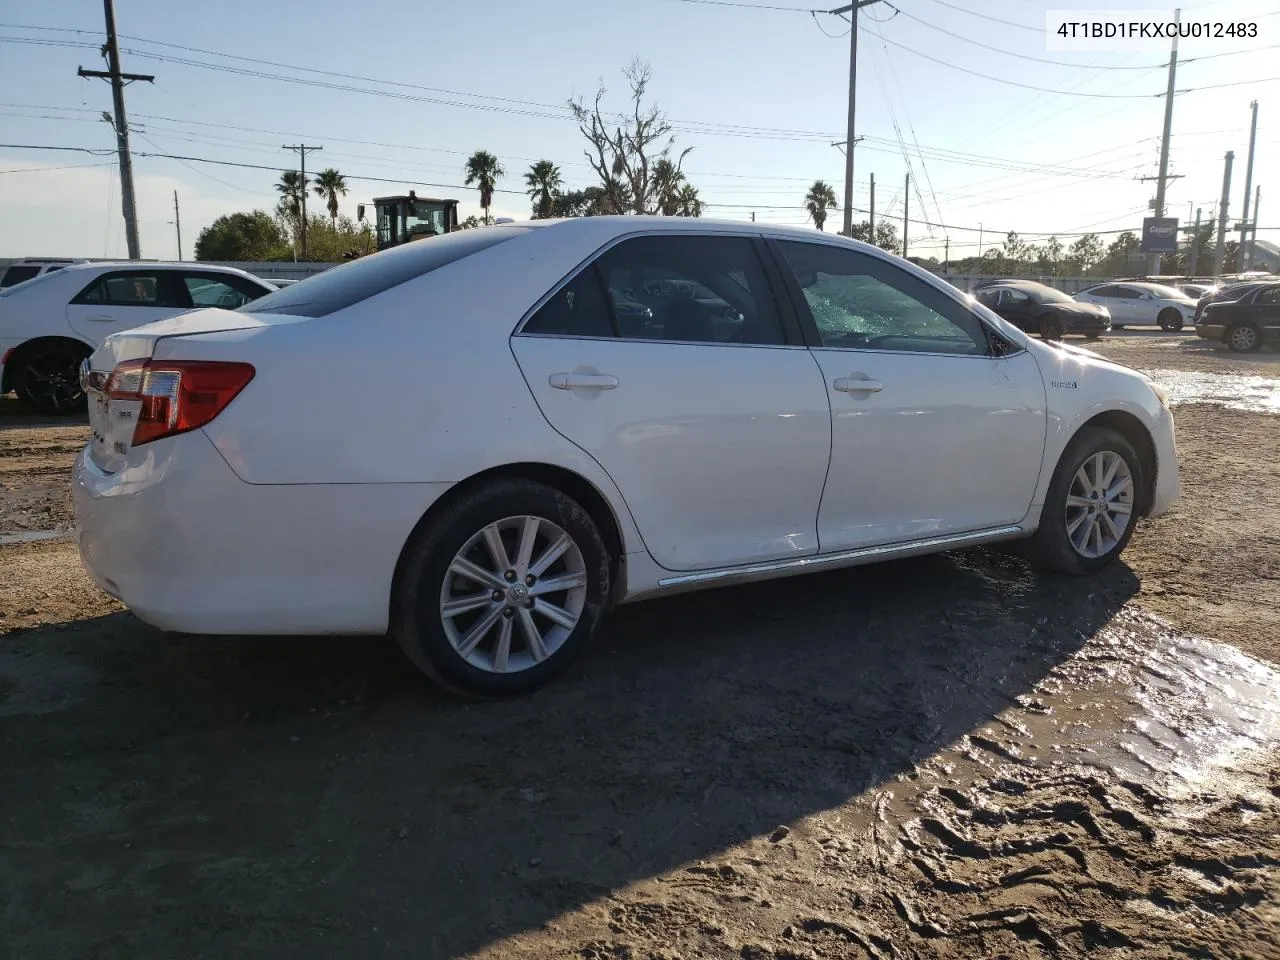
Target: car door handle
x: 583, y: 381
x: 850, y: 385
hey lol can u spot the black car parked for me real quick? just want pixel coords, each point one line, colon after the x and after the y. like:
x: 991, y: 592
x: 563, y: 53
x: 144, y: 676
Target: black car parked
x: 1039, y: 309
x: 1244, y: 325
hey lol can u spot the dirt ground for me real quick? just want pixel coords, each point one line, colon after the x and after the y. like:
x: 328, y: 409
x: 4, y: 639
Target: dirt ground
x: 944, y: 757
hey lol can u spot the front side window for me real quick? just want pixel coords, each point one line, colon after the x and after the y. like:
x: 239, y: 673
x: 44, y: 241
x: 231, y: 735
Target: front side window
x: 863, y: 302
x: 1267, y: 296
x: 134, y: 289
x: 1015, y: 297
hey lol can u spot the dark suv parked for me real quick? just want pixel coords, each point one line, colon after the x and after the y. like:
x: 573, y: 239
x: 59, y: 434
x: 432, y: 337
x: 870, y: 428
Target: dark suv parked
x: 1244, y: 325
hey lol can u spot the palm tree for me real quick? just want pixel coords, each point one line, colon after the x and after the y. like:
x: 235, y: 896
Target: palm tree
x: 484, y: 170
x: 544, y: 182
x: 291, y: 187
x: 820, y: 198
x: 668, y: 180
x: 329, y: 184
x: 690, y: 205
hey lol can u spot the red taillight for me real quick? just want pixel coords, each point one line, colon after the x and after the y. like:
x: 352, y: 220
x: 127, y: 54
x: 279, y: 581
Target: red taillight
x: 176, y: 395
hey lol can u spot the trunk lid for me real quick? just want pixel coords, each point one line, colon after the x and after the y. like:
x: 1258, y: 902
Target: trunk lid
x: 112, y: 422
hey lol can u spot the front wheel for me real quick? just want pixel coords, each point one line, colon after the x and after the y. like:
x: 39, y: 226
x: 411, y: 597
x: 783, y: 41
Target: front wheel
x: 46, y: 376
x: 1050, y: 327
x: 499, y: 594
x: 1170, y: 320
x: 1092, y: 504
x: 1244, y: 338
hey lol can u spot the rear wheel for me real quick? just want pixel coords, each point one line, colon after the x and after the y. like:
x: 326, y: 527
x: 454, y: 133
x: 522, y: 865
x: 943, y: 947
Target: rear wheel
x: 1092, y: 504
x: 1050, y: 327
x: 502, y: 591
x: 1243, y: 338
x: 1170, y: 320
x: 46, y: 376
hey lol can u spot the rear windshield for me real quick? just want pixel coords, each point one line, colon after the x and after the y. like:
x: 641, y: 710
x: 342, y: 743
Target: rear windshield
x: 340, y: 287
x: 24, y: 285
x: 17, y: 275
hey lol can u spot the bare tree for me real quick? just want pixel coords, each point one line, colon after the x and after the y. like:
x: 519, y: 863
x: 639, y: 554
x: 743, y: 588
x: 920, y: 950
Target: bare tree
x: 626, y: 148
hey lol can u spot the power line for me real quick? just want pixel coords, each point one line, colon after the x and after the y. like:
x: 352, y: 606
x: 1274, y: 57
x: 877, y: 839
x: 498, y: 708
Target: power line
x: 1019, y: 56
x: 983, y: 16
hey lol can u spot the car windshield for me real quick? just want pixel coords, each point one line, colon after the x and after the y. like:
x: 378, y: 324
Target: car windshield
x: 1046, y: 294
x: 26, y: 285
x: 340, y: 287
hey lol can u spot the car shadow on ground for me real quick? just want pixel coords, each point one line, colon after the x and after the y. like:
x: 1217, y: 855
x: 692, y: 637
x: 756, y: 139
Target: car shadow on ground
x: 310, y: 797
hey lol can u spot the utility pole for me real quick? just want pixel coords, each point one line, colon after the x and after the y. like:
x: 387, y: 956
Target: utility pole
x: 979, y: 247
x: 1248, y: 188
x: 1164, y: 140
x: 871, y: 214
x: 111, y: 50
x: 302, y: 149
x: 852, y: 9
x: 177, y: 223
x: 946, y: 256
x: 1220, y: 253
x: 753, y: 216
x: 1194, y: 255
x: 1253, y: 232
x: 906, y: 204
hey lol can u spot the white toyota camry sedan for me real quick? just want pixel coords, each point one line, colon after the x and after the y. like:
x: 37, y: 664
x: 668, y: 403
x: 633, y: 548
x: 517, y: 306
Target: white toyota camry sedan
x: 482, y: 441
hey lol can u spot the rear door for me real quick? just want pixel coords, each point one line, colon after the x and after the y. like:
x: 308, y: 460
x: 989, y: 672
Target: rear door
x: 1264, y: 310
x: 672, y: 362
x: 122, y: 299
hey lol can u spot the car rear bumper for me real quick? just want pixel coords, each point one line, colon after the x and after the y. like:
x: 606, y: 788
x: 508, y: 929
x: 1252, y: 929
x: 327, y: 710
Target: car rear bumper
x: 1210, y: 331
x: 188, y: 546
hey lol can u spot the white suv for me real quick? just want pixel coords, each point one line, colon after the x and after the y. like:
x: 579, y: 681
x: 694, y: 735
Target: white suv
x: 50, y: 323
x: 23, y: 270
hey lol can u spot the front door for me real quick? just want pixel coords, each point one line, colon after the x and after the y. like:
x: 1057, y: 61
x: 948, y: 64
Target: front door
x: 932, y: 431
x: 126, y: 298
x: 668, y: 362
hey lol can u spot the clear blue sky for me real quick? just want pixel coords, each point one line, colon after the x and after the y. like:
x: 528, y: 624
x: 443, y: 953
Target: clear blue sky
x: 774, y: 72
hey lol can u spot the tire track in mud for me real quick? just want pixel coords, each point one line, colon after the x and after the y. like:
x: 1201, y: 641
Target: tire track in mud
x: 1129, y: 802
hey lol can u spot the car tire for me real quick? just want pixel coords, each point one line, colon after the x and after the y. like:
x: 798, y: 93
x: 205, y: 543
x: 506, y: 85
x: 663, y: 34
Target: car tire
x: 1170, y: 320
x: 1065, y: 520
x: 1243, y: 337
x: 1050, y: 327
x: 504, y: 658
x: 46, y: 376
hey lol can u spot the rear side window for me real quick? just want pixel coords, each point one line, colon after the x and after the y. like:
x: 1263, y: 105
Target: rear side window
x: 18, y: 275
x: 123, y: 290
x: 339, y: 287
x: 578, y: 309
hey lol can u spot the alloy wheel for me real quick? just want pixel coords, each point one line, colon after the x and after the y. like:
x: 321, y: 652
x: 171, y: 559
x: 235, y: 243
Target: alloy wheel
x: 1100, y: 504
x: 50, y: 377
x: 1243, y: 339
x: 513, y: 594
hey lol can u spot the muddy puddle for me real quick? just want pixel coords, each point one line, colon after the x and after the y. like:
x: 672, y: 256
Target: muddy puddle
x: 1140, y: 703
x: 33, y: 536
x: 1237, y: 391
